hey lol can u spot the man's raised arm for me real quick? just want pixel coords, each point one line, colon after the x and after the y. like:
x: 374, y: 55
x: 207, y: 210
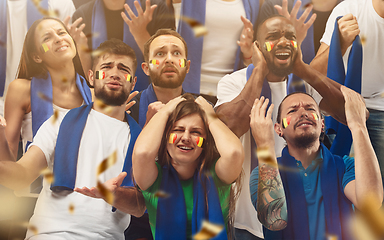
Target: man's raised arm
x: 235, y: 114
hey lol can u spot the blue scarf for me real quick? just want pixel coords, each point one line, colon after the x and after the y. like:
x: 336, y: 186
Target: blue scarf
x: 32, y: 15
x: 196, y: 9
x: 307, y: 49
x: 342, y: 144
x: 147, y: 97
x: 99, y: 26
x: 41, y: 108
x: 336, y: 205
x: 67, y: 148
x: 171, y: 219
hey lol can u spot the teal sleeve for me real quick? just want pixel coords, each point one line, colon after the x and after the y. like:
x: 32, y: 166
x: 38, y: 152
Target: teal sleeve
x: 349, y: 174
x: 253, y: 185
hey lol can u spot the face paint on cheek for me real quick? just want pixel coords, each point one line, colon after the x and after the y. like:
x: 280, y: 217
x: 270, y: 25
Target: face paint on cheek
x: 172, y: 138
x: 100, y: 75
x: 182, y: 62
x: 286, y: 121
x: 154, y: 63
x: 199, y: 141
x: 128, y: 77
x: 269, y: 46
x: 294, y: 44
x: 314, y: 115
x: 45, y: 47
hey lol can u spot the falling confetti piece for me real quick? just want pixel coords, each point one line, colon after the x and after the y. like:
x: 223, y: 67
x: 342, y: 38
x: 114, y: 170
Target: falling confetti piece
x: 44, y: 97
x: 104, y: 107
x: 55, y: 116
x: 48, y: 175
x: 107, y: 163
x: 45, y: 12
x: 161, y: 194
x: 363, y: 40
x: 208, y: 231
x: 374, y: 218
x: 31, y: 228
x: 93, y: 35
x: 265, y: 155
x: 332, y: 237
x: 198, y: 29
x: 305, y: 6
x: 71, y: 208
x: 107, y: 195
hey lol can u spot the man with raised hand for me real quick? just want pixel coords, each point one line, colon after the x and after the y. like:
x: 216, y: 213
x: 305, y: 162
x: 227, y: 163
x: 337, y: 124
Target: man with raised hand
x: 308, y: 192
x: 276, y: 54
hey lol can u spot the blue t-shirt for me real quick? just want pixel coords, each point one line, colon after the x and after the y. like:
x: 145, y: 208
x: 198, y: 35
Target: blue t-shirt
x: 313, y: 193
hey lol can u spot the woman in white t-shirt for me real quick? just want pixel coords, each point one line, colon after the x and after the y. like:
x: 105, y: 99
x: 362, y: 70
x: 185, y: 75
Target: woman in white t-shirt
x: 47, y: 74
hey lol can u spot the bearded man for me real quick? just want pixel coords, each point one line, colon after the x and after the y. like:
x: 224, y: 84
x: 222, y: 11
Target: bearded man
x: 165, y: 61
x: 308, y: 192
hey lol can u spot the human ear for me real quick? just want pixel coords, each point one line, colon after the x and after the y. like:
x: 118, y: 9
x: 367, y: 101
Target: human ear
x: 145, y: 68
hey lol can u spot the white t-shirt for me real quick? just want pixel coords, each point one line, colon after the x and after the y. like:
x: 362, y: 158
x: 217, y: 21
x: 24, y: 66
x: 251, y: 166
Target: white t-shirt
x: 91, y: 218
x: 17, y: 29
x: 371, y: 27
x: 222, y: 19
x: 229, y: 88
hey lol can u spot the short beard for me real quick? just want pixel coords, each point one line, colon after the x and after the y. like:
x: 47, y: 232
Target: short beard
x: 158, y: 82
x: 280, y: 71
x: 112, y: 98
x: 305, y: 141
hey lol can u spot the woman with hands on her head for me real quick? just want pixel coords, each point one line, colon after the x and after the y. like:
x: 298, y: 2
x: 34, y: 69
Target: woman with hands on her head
x: 177, y: 154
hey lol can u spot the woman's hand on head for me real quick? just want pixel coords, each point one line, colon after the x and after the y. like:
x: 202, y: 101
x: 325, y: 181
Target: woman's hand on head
x: 208, y: 109
x: 171, y: 105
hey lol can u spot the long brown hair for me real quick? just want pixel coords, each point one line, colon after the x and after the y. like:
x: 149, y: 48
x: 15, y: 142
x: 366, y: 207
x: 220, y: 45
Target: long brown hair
x: 28, y: 68
x: 208, y: 156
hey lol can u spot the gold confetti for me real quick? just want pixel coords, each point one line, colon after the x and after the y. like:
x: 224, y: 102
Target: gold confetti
x: 265, y: 155
x: 198, y: 29
x: 208, y: 231
x: 368, y: 223
x: 305, y: 6
x: 332, y: 237
x: 44, y: 97
x: 106, y: 163
x: 55, y: 116
x: 71, y: 208
x: 45, y: 12
x: 29, y: 227
x: 382, y: 95
x: 107, y: 195
x: 103, y: 107
x: 48, y: 175
x: 93, y: 35
x: 363, y: 40
x: 161, y: 194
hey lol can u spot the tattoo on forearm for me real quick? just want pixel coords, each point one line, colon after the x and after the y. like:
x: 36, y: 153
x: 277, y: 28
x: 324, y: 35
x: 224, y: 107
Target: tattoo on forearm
x: 271, y: 204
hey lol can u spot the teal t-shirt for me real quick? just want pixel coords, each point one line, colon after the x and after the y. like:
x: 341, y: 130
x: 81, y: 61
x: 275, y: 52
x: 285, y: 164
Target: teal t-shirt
x: 151, y: 200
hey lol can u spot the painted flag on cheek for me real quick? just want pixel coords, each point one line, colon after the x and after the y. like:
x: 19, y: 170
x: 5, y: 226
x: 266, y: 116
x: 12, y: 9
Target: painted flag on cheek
x: 128, y: 77
x: 269, y: 46
x: 154, y: 62
x: 314, y: 115
x: 172, y: 138
x: 199, y: 141
x: 100, y: 75
x: 294, y: 44
x: 45, y: 47
x: 286, y: 121
x: 182, y: 62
